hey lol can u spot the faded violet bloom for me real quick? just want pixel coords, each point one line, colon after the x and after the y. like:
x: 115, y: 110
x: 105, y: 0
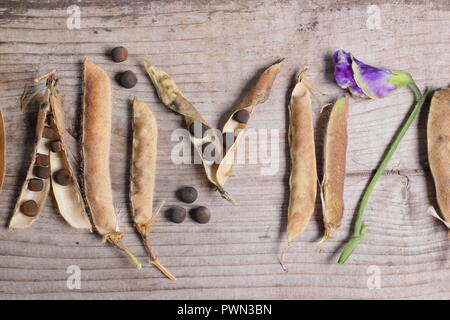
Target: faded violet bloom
x: 365, y: 81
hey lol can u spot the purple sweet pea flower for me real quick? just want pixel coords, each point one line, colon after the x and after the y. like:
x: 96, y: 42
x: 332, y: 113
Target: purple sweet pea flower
x: 365, y: 81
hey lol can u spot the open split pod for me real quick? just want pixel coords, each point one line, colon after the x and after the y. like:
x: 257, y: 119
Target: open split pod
x: 50, y: 168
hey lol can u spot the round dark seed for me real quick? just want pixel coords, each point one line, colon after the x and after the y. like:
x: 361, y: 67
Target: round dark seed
x: 119, y: 54
x: 209, y: 151
x: 50, y: 133
x: 56, y: 146
x: 42, y: 172
x: 177, y: 214
x: 198, y: 129
x: 35, y: 185
x: 242, y: 116
x: 62, y: 177
x: 127, y: 79
x: 201, y: 214
x: 29, y: 208
x: 42, y: 160
x: 51, y: 120
x: 228, y: 139
x: 187, y: 194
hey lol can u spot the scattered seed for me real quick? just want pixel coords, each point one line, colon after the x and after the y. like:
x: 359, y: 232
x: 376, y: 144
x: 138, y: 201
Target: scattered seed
x: 56, y: 146
x: 242, y: 116
x: 201, y: 214
x: 35, y: 185
x: 177, y: 214
x: 42, y: 160
x: 127, y: 79
x: 119, y: 54
x: 29, y: 208
x: 187, y: 194
x: 42, y: 172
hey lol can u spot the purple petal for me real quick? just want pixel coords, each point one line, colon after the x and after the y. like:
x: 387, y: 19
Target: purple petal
x: 343, y: 73
x: 374, y: 81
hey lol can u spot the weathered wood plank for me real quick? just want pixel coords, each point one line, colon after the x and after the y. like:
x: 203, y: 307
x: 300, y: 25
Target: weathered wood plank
x: 214, y: 49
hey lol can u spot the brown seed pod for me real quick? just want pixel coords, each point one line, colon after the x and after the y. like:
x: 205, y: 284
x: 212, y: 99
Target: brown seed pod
x: 68, y: 198
x: 143, y: 169
x: 174, y: 99
x: 239, y: 119
x: 438, y: 137
x: 2, y: 150
x: 303, y: 179
x: 332, y: 186
x: 96, y: 141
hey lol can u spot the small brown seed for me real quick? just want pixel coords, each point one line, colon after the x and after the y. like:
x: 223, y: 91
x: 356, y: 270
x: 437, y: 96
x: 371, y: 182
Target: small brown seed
x: 198, y: 129
x: 62, y: 177
x: 242, y: 116
x: 187, y: 194
x: 49, y: 133
x: 56, y: 146
x: 177, y: 214
x: 209, y: 151
x: 201, y: 214
x: 51, y: 120
x: 42, y: 160
x: 127, y: 79
x: 119, y: 54
x: 35, y: 185
x: 29, y: 208
x: 42, y: 172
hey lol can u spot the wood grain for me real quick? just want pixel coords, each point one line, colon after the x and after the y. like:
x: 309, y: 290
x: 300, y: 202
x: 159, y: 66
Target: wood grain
x: 213, y: 50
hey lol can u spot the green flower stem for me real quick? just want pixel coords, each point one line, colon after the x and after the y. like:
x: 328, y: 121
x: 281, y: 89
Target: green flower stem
x: 360, y: 228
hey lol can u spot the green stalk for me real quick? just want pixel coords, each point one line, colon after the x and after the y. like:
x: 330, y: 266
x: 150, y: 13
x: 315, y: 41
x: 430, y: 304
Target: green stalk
x: 360, y: 228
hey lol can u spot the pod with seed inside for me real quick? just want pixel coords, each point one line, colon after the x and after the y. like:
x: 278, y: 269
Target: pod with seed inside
x: 39, y: 181
x: 438, y: 139
x: 97, y: 108
x: 143, y: 169
x: 200, y: 131
x: 238, y: 121
x: 332, y: 186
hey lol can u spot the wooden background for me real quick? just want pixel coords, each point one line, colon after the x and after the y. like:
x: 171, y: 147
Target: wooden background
x: 214, y: 49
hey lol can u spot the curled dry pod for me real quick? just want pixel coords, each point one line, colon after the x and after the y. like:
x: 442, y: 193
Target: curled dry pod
x: 2, y: 150
x: 303, y: 179
x: 143, y: 168
x: 438, y: 136
x: 68, y: 198
x: 96, y: 148
x: 174, y: 99
x: 239, y: 119
x: 332, y: 186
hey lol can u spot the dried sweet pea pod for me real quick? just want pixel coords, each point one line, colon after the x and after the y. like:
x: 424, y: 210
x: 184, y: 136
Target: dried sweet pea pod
x: 174, y: 99
x: 68, y: 198
x: 142, y: 182
x: 97, y: 108
x: 332, y: 186
x: 438, y: 137
x: 238, y: 120
x: 2, y: 150
x: 303, y: 179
